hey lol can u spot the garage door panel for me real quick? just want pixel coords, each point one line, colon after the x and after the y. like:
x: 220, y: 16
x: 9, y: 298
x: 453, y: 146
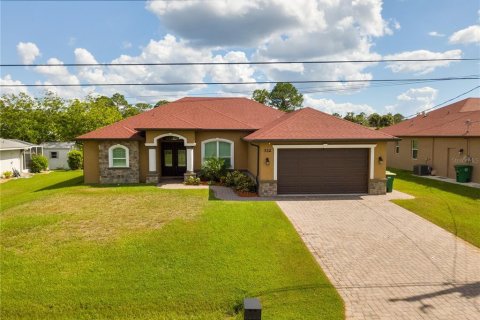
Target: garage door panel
x: 325, y: 171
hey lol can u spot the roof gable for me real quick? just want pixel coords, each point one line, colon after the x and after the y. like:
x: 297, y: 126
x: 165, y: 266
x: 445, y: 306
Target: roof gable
x: 460, y: 119
x: 311, y: 124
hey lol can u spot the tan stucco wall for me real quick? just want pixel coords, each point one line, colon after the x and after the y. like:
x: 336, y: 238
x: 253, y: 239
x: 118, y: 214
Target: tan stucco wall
x: 266, y: 151
x: 91, y: 171
x: 474, y: 150
x: 240, y: 152
x: 403, y: 159
x: 439, y: 153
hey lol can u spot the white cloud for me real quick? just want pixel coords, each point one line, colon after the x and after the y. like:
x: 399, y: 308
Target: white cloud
x: 28, y: 52
x: 7, y: 80
x: 414, y: 100
x: 61, y: 75
x: 466, y: 36
x: 330, y: 106
x: 257, y: 22
x: 126, y: 44
x: 421, y: 67
x: 436, y: 34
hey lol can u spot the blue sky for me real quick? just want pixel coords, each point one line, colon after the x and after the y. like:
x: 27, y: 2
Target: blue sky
x: 227, y: 30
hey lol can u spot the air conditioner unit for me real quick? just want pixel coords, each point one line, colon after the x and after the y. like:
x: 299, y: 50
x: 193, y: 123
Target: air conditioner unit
x: 421, y: 170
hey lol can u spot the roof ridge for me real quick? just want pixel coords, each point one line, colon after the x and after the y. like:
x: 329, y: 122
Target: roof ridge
x: 350, y: 122
x: 229, y: 117
x: 435, y: 125
x: 193, y: 124
x: 288, y: 115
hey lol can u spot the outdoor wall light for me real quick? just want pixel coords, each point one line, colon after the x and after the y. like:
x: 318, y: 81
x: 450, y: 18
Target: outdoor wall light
x: 267, y: 161
x: 380, y: 160
x: 460, y: 151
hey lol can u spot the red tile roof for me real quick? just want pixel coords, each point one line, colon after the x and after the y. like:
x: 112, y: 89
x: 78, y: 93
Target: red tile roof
x: 460, y: 119
x: 192, y: 113
x: 311, y: 124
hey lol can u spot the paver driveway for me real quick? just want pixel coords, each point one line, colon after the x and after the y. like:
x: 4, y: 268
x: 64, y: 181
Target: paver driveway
x: 386, y: 262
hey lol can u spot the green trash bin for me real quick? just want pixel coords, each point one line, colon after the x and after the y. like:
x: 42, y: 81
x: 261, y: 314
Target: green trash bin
x: 463, y: 172
x: 390, y: 178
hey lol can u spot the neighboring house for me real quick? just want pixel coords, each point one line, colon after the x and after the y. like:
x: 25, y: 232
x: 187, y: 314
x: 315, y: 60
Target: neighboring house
x: 440, y: 139
x: 16, y: 154
x: 57, y: 153
x: 302, y: 152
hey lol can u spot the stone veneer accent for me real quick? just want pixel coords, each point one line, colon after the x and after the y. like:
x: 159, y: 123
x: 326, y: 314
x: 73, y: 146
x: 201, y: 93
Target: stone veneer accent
x: 119, y: 175
x: 377, y: 186
x: 187, y: 175
x: 152, y: 178
x: 267, y: 188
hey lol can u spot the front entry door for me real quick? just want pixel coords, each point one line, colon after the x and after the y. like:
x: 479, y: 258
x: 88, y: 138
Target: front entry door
x: 174, y: 159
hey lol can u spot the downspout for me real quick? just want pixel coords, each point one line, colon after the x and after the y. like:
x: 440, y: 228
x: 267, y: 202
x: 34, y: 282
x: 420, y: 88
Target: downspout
x: 258, y: 161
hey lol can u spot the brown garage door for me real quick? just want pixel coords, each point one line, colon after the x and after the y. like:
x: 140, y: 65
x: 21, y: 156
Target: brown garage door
x: 327, y: 171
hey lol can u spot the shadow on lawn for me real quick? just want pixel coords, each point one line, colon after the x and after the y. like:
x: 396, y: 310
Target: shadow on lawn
x: 63, y: 184
x: 460, y: 190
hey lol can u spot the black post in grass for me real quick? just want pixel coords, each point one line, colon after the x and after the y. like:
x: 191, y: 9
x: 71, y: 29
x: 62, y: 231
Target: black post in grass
x: 252, y: 309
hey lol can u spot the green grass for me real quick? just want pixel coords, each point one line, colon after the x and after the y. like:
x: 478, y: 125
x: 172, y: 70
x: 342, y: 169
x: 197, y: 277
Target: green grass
x: 455, y: 208
x: 84, y: 252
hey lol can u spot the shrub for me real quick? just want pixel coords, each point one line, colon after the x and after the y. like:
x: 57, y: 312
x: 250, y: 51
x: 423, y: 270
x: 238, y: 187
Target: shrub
x: 39, y: 163
x: 75, y: 159
x: 213, y: 169
x: 240, y: 181
x: 8, y: 174
x: 231, y: 177
x: 192, y: 181
x: 243, y: 183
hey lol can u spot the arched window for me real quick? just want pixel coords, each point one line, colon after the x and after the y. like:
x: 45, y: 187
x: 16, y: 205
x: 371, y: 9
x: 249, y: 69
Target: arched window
x: 118, y: 156
x: 218, y: 148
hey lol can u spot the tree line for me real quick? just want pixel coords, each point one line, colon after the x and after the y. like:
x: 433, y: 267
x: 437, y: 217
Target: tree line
x: 51, y: 118
x: 285, y: 97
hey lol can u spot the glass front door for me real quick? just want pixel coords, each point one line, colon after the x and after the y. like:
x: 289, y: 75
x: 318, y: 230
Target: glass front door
x: 174, y: 159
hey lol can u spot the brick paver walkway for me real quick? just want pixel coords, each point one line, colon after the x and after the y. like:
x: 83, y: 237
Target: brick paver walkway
x: 386, y: 262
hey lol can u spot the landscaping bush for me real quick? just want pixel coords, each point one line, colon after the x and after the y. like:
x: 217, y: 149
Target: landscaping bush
x: 192, y: 181
x: 39, y: 163
x: 75, y: 159
x: 213, y: 169
x: 230, y: 179
x: 8, y: 174
x: 240, y: 181
x: 243, y: 183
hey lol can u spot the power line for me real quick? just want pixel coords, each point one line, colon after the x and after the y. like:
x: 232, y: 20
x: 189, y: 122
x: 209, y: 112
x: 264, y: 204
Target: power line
x: 237, y: 83
x: 440, y: 104
x: 229, y: 63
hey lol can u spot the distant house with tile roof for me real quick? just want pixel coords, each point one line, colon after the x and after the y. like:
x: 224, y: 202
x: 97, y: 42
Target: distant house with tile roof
x: 440, y: 139
x: 303, y: 152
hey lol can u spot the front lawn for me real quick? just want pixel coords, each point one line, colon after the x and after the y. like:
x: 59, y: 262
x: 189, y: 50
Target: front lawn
x: 453, y: 207
x: 71, y: 251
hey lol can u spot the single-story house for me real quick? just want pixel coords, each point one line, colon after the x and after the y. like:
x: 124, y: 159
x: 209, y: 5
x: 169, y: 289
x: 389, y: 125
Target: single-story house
x: 440, y: 139
x: 302, y: 152
x: 16, y: 154
x: 57, y: 153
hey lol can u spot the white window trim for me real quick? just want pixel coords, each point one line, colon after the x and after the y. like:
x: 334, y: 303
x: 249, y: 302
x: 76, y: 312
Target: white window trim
x: 232, y: 149
x: 411, y: 149
x: 397, y: 147
x: 110, y: 155
x: 326, y: 146
x: 155, y: 140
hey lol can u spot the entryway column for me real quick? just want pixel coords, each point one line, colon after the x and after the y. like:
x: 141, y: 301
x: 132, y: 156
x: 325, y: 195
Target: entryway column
x: 152, y: 176
x: 189, y: 159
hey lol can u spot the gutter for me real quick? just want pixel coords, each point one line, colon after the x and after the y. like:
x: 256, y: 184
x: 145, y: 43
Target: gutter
x: 258, y: 160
